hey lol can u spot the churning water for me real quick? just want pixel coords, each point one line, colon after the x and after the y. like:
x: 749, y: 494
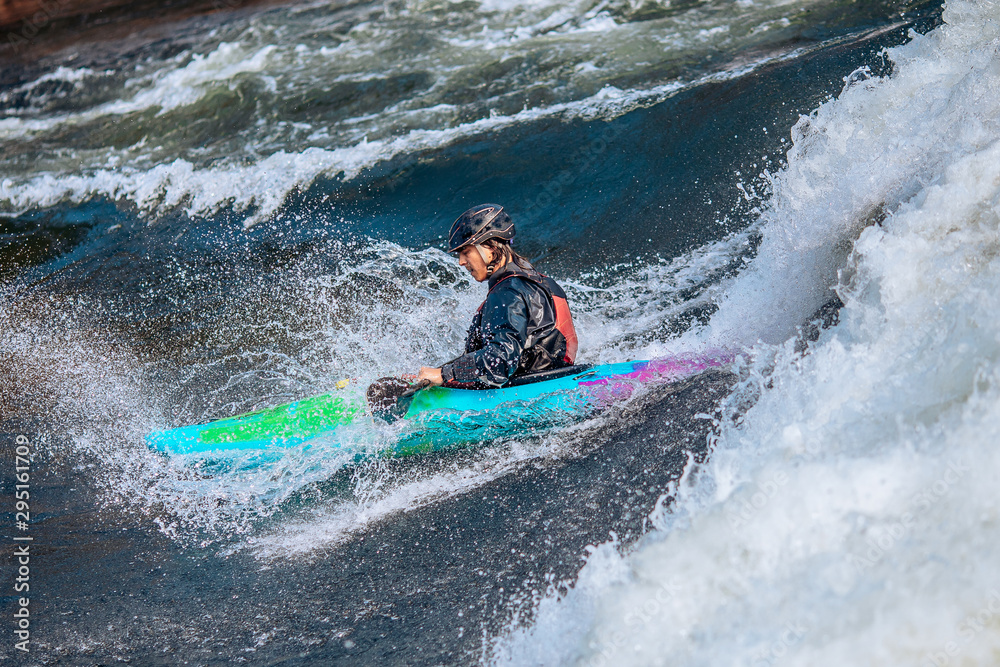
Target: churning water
x: 251, y: 209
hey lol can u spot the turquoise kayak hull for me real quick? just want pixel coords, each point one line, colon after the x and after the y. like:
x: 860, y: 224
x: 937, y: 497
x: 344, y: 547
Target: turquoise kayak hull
x: 437, y: 417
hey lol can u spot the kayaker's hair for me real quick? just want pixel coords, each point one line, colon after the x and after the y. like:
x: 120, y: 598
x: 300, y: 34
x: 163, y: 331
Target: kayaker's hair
x: 503, y: 248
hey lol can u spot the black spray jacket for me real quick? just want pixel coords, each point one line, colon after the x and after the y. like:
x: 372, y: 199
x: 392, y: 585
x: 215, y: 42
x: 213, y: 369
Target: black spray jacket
x: 524, y: 326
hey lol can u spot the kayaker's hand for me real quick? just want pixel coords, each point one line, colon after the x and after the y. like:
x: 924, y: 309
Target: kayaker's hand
x: 432, y: 375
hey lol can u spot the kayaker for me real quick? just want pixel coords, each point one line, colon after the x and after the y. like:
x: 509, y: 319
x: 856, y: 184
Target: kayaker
x: 524, y: 326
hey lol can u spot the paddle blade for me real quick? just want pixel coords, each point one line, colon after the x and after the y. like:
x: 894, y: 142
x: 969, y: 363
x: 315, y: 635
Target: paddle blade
x: 389, y: 398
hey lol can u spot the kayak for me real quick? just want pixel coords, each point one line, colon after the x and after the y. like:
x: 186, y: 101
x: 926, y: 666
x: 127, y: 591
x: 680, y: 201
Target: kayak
x: 436, y: 417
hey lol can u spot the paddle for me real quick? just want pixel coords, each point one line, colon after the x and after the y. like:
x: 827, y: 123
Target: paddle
x: 389, y: 398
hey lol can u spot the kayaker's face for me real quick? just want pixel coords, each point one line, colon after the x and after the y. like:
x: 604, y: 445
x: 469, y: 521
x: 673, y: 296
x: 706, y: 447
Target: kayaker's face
x: 470, y: 258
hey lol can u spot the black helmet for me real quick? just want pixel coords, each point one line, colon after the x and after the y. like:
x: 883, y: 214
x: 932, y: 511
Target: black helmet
x: 479, y: 223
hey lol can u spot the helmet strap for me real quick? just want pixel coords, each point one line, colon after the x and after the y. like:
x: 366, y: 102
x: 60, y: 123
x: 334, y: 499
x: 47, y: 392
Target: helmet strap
x: 491, y: 265
x: 482, y: 253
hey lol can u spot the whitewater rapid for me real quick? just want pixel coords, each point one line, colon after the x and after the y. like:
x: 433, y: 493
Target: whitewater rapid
x: 850, y: 517
x: 257, y: 109
x: 140, y: 296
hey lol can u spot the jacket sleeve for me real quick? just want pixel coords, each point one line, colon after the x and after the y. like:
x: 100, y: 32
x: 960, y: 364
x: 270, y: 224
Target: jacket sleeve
x: 505, y: 329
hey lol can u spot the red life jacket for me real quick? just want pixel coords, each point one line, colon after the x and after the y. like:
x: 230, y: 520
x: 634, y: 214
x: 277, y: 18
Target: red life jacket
x: 564, y: 319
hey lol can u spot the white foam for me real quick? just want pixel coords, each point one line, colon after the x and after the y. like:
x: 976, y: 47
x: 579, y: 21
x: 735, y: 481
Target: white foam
x: 265, y: 184
x: 876, y: 147
x: 175, y: 88
x: 190, y: 78
x: 60, y: 73
x: 850, y: 517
